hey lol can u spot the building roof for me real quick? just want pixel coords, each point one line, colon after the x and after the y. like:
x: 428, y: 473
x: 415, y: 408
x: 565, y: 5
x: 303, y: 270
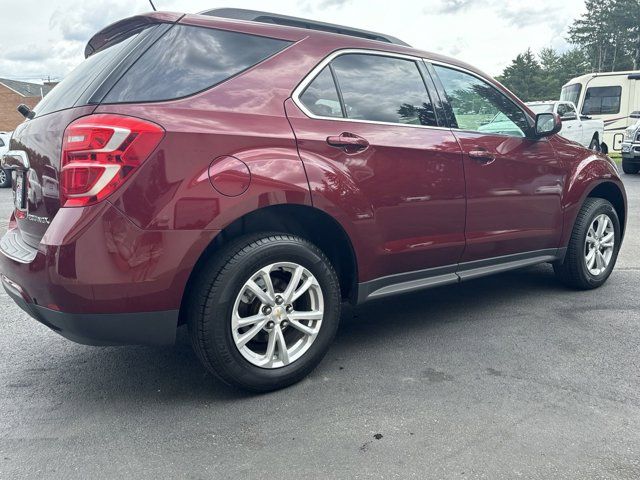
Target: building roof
x: 27, y: 89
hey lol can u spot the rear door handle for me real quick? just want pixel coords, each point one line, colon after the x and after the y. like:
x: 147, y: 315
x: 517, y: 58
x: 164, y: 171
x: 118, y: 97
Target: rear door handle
x: 482, y: 156
x: 349, y: 142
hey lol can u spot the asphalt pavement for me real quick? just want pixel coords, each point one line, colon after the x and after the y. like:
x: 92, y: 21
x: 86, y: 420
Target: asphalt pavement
x: 511, y: 376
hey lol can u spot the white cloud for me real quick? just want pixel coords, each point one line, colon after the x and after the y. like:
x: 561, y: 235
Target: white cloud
x: 41, y: 39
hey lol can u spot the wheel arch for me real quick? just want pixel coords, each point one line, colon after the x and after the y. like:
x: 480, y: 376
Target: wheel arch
x: 305, y: 221
x: 612, y: 193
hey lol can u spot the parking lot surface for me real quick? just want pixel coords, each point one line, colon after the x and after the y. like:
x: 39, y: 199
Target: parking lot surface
x: 503, y: 377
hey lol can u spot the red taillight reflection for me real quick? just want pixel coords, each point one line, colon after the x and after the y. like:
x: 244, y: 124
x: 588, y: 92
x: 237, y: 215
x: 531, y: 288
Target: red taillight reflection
x: 99, y: 153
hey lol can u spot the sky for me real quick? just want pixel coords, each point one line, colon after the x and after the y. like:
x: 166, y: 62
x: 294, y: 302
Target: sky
x: 45, y: 39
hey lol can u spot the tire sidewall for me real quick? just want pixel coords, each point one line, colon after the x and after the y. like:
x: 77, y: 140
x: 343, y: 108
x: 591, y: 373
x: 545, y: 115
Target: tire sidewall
x: 606, y: 208
x: 222, y: 301
x: 7, y: 179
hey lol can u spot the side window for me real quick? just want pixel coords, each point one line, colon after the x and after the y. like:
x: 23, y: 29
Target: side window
x: 1, y: 143
x: 480, y: 107
x: 321, y: 96
x: 564, y: 110
x: 383, y: 89
x: 189, y: 59
x: 602, y: 101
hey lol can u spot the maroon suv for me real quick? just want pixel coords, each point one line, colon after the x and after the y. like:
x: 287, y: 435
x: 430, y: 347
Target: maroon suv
x: 246, y: 173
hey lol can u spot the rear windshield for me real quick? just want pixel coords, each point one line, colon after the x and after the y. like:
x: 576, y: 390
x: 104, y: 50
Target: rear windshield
x: 68, y: 91
x: 189, y: 59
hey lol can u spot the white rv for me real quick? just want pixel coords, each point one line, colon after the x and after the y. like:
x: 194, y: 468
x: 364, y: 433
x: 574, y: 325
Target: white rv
x: 611, y: 97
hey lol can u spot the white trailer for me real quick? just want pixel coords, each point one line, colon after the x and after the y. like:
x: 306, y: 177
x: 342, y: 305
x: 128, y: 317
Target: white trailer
x: 611, y: 97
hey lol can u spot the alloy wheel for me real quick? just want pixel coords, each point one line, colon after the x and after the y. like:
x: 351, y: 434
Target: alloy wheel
x: 599, y: 245
x: 277, y: 315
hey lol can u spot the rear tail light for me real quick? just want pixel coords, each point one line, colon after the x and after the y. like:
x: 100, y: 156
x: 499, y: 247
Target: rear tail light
x: 100, y: 152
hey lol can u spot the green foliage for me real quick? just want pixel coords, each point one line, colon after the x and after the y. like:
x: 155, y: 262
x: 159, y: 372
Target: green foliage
x: 609, y: 34
x: 605, y: 38
x: 541, y: 78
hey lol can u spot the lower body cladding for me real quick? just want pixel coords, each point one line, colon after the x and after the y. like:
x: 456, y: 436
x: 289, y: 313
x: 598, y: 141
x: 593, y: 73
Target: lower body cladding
x: 98, y: 279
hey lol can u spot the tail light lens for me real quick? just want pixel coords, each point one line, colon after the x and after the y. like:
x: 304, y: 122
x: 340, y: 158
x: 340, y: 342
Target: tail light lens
x: 100, y: 152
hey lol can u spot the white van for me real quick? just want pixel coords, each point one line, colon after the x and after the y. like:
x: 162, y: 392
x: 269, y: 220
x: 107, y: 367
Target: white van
x: 611, y: 97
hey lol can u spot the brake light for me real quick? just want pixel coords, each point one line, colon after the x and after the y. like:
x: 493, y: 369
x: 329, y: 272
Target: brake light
x: 99, y: 152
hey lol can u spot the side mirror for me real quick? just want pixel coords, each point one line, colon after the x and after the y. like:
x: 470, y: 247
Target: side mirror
x: 547, y: 124
x: 635, y: 114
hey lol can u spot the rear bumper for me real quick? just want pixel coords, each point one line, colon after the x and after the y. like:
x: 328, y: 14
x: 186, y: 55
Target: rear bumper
x: 98, y: 279
x: 148, y: 328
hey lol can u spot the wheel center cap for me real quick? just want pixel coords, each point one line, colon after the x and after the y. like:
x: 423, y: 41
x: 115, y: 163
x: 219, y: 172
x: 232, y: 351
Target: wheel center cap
x: 279, y: 314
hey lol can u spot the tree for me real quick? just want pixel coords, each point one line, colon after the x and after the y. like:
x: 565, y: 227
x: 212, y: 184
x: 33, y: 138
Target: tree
x: 609, y: 34
x: 524, y: 76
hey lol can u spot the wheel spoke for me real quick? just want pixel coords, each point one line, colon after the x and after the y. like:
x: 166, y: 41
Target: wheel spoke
x: 265, y: 274
x: 293, y: 283
x: 258, y: 292
x: 271, y: 348
x: 250, y: 334
x: 591, y: 258
x: 302, y: 327
x: 600, y: 262
x: 305, y: 286
x: 603, y: 223
x: 591, y: 235
x: 283, y: 353
x: 239, y: 322
x: 313, y: 315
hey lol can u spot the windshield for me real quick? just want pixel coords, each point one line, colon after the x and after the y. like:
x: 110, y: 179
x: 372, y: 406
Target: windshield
x: 571, y: 93
x: 541, y: 107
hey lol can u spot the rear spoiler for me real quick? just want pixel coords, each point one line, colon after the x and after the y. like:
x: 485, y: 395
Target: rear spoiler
x: 125, y: 27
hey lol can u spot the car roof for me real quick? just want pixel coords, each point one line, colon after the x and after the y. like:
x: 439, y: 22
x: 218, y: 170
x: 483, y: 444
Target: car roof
x: 341, y: 41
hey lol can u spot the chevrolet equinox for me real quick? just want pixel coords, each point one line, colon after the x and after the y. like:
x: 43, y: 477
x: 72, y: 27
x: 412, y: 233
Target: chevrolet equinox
x: 246, y: 173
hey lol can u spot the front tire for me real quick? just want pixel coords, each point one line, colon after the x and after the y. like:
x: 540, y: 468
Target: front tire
x: 264, y: 311
x: 593, y: 247
x: 5, y: 178
x: 630, y: 168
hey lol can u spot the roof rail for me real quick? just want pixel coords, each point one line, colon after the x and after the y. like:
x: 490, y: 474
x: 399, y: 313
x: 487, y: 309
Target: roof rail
x: 277, y: 19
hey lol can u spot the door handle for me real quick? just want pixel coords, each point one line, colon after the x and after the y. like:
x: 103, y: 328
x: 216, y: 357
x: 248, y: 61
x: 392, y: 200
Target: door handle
x: 349, y: 142
x: 482, y: 156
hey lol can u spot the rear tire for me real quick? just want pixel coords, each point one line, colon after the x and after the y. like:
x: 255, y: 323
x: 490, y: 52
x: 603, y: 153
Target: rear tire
x: 589, y: 262
x: 285, y: 347
x: 5, y: 178
x: 630, y: 168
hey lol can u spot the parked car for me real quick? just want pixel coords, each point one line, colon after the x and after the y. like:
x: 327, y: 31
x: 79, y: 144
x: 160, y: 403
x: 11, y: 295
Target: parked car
x: 607, y: 96
x: 582, y: 129
x: 5, y: 175
x: 246, y: 178
x: 631, y: 146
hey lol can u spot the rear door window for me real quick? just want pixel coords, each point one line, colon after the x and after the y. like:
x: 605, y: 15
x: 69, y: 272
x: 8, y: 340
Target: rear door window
x: 383, y: 89
x: 321, y: 96
x: 602, y: 101
x: 189, y: 59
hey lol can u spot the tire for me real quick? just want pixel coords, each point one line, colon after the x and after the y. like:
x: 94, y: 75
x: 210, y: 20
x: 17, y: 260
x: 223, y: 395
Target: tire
x: 604, y: 148
x: 220, y: 291
x: 630, y: 168
x: 5, y: 178
x: 574, y: 271
x: 595, y: 145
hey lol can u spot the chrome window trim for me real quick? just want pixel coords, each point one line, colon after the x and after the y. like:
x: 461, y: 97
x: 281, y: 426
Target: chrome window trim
x: 311, y: 76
